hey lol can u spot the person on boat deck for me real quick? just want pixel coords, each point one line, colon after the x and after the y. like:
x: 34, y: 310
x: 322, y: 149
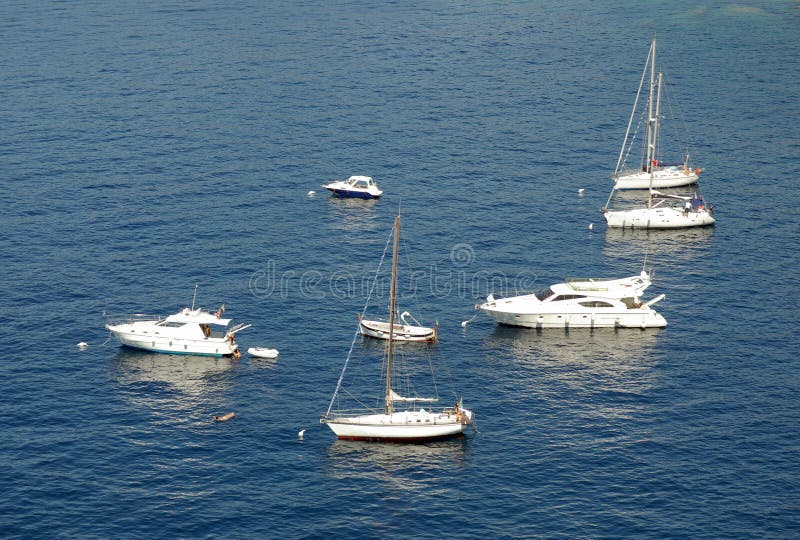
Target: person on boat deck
x: 687, y: 207
x: 206, y: 330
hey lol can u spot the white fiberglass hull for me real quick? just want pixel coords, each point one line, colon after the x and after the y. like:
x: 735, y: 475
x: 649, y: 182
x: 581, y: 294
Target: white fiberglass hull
x: 407, y: 426
x: 644, y: 317
x: 662, y: 178
x: 401, y: 332
x: 658, y: 218
x: 172, y: 345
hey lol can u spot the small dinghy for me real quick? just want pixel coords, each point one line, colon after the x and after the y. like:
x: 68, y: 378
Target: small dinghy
x: 262, y: 352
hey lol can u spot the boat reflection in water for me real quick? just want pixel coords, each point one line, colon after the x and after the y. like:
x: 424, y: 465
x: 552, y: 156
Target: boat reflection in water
x: 660, y: 245
x: 588, y: 374
x: 354, y: 216
x: 404, y: 468
x: 176, y: 388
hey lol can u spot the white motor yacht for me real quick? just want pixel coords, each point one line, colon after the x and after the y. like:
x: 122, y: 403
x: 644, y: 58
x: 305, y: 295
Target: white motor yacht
x: 362, y: 187
x: 190, y: 331
x: 580, y: 303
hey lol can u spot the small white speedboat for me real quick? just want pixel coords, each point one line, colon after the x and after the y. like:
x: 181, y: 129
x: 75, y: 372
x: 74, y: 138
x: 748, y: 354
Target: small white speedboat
x: 362, y: 187
x: 262, y: 352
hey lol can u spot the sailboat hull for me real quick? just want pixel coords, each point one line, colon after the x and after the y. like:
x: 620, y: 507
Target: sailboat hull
x: 380, y: 330
x: 662, y: 178
x: 658, y: 218
x: 407, y: 426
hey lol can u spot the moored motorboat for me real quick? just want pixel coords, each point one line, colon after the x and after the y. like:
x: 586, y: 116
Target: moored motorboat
x: 189, y: 331
x: 580, y: 303
x: 362, y: 187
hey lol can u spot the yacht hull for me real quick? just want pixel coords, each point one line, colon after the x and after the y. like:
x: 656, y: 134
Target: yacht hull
x: 661, y: 179
x: 633, y: 318
x: 205, y: 347
x: 657, y: 218
x: 398, y: 427
x: 352, y: 194
x: 380, y: 330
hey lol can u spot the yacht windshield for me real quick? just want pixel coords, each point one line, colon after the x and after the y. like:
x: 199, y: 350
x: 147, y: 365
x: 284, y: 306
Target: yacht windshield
x: 543, y: 294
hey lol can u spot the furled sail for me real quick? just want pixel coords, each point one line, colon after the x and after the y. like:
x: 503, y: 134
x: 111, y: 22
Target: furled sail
x: 397, y: 397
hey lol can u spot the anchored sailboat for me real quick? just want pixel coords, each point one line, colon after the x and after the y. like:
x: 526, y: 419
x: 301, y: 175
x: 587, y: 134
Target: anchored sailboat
x: 663, y: 211
x: 653, y: 172
x: 403, y: 418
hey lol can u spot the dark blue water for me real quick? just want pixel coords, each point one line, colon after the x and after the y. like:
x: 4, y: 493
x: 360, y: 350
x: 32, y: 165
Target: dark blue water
x: 149, y: 146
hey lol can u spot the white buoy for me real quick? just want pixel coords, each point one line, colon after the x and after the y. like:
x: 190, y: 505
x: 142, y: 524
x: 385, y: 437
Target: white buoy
x: 82, y: 345
x: 580, y: 191
x: 591, y: 226
x: 300, y: 434
x: 224, y: 417
x: 312, y: 193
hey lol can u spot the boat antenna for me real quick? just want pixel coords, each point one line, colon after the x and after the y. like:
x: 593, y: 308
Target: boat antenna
x: 644, y: 263
x: 195, y: 295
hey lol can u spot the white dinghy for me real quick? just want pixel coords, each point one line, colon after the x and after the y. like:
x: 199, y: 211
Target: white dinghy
x: 262, y: 352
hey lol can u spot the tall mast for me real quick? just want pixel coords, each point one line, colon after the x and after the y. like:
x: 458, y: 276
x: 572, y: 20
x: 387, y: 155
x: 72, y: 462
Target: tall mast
x: 651, y: 124
x: 392, y: 292
x: 651, y: 135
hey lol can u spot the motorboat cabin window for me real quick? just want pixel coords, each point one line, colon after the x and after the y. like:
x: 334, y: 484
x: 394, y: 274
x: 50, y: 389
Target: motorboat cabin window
x: 561, y: 297
x: 544, y: 294
x: 362, y: 184
x: 595, y: 304
x: 170, y: 324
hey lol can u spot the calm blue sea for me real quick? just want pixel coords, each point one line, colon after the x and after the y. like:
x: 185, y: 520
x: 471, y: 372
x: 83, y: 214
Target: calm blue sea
x: 148, y: 146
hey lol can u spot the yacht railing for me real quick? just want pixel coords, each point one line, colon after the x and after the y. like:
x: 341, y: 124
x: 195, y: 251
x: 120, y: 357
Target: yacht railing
x: 574, y: 284
x: 129, y: 318
x: 341, y: 414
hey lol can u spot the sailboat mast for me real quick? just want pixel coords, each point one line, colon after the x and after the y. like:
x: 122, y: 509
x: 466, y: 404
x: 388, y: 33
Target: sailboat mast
x: 651, y: 135
x: 651, y: 124
x: 392, y: 292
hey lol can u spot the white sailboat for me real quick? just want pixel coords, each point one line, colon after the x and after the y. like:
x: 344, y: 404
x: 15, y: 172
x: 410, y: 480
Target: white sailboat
x: 653, y: 172
x: 663, y: 211
x: 402, y: 418
x: 401, y: 332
